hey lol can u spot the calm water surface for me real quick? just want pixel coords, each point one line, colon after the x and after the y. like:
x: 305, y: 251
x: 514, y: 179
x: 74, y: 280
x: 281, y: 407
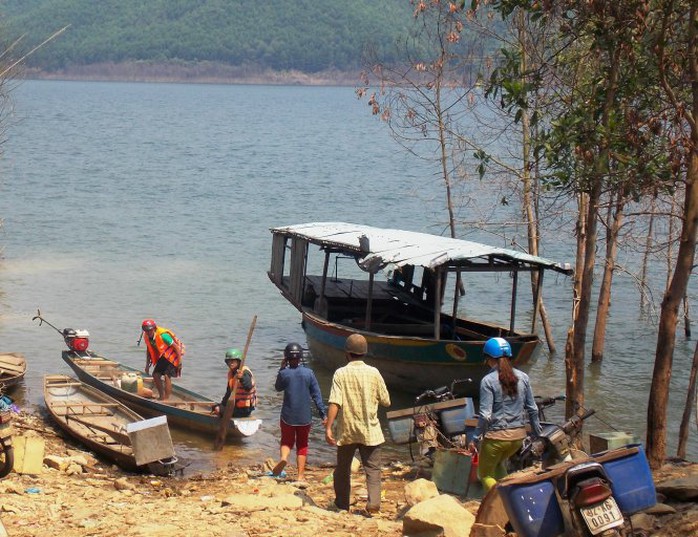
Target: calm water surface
x: 126, y: 201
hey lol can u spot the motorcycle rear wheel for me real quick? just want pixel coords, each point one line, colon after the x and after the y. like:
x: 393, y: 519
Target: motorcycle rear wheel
x: 7, y: 460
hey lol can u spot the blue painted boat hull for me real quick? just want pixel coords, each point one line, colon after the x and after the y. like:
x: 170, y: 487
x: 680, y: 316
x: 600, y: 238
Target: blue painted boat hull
x: 411, y: 364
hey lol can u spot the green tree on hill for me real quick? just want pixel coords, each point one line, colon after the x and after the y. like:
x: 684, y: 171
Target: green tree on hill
x: 303, y: 35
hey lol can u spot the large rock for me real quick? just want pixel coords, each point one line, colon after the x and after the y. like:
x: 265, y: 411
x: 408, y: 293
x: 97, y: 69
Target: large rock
x: 684, y: 489
x: 660, y: 509
x: 643, y: 522
x: 420, y: 490
x: 440, y: 515
x: 56, y: 462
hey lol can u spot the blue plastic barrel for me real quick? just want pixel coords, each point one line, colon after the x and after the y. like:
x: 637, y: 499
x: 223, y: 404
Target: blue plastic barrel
x: 532, y: 508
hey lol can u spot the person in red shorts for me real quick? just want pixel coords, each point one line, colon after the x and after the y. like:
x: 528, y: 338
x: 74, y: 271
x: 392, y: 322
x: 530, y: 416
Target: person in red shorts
x: 300, y: 387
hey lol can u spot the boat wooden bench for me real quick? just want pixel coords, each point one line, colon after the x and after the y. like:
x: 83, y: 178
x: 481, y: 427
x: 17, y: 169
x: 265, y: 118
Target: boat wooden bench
x: 342, y: 288
x: 84, y: 404
x: 64, y: 385
x: 85, y: 412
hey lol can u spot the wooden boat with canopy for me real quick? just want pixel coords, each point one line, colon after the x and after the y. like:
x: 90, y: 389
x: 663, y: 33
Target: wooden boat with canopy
x: 390, y: 285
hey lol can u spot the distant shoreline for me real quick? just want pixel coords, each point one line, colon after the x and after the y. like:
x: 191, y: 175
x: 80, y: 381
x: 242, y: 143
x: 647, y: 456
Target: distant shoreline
x: 194, y: 73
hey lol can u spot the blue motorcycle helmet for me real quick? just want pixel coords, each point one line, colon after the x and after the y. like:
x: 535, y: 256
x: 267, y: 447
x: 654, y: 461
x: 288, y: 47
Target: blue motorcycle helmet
x: 496, y: 347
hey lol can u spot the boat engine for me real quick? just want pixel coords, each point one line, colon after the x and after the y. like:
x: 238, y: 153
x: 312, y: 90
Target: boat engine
x: 77, y: 340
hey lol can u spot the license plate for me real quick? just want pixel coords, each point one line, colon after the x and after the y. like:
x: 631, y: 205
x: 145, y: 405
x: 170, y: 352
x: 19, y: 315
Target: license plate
x: 602, y: 516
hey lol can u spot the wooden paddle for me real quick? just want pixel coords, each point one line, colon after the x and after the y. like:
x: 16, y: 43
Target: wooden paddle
x: 230, y: 406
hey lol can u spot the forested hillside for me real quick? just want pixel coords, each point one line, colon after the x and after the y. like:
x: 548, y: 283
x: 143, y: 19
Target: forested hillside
x: 304, y: 35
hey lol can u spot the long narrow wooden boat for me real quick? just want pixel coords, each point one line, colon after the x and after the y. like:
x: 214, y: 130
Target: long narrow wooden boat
x: 13, y: 367
x: 95, y: 420
x: 185, y: 409
x: 415, y: 337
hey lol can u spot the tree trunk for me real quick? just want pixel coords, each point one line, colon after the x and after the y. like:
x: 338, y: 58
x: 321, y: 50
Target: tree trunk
x: 545, y: 320
x: 575, y: 385
x: 528, y: 201
x: 615, y: 220
x: 646, y: 255
x: 600, y: 172
x: 575, y: 400
x: 688, y: 409
x: 661, y: 377
x: 668, y: 320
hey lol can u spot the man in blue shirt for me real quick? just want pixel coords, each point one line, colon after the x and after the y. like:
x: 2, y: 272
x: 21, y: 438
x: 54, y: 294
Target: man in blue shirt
x: 300, y: 387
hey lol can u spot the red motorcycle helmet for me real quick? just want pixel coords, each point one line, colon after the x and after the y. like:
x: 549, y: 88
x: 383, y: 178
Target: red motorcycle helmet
x: 148, y: 324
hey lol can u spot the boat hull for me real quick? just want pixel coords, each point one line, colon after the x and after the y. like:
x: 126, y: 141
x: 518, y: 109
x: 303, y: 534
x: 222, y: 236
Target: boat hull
x: 13, y: 367
x: 60, y: 392
x: 411, y: 364
x: 188, y: 410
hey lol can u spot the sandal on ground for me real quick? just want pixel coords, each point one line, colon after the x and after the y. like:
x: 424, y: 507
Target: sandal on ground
x: 278, y: 468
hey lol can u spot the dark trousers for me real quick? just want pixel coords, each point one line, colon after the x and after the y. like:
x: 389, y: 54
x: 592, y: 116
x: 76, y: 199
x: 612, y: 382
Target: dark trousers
x: 371, y: 461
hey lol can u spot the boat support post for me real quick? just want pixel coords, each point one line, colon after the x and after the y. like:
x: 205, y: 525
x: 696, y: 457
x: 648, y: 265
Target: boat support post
x: 437, y: 306
x: 514, y: 289
x: 456, y: 295
x: 369, y: 302
x: 325, y: 267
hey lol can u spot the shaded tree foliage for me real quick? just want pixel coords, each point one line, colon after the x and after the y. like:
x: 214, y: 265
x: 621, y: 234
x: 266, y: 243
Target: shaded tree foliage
x: 627, y: 77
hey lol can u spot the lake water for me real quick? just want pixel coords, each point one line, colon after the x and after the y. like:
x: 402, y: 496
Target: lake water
x: 126, y: 201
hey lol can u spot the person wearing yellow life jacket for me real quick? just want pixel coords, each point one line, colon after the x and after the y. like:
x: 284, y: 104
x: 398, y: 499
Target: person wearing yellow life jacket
x: 246, y: 391
x: 163, y: 351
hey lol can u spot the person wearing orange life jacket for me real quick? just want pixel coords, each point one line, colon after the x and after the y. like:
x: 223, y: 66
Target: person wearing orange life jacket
x: 246, y: 391
x: 164, y: 352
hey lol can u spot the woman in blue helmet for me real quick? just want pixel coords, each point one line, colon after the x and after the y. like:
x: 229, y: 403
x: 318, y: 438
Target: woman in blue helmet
x: 505, y: 398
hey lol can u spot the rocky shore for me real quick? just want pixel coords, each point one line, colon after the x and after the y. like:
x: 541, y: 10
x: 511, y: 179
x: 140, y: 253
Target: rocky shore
x: 194, y: 73
x: 76, y: 495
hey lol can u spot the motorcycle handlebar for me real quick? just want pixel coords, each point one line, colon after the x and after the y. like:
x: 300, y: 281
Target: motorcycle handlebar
x: 575, y: 422
x: 443, y: 392
x: 429, y: 394
x: 546, y: 402
x: 587, y: 413
x: 456, y: 382
x: 437, y: 394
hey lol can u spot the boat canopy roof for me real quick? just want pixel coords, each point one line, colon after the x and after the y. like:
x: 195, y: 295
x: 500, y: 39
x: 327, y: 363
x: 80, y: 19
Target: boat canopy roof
x: 377, y: 248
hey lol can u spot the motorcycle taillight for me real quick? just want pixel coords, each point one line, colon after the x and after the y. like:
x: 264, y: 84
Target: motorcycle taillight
x: 591, y: 492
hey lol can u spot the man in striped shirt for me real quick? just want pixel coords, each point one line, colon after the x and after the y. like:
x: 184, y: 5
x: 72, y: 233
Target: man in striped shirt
x: 357, y: 390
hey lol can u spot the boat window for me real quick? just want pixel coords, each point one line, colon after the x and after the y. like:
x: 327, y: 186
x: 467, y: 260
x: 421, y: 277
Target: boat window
x: 488, y: 298
x: 278, y: 251
x: 402, y: 277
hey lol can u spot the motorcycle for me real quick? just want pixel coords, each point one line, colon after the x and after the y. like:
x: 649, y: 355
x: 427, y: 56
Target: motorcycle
x: 439, y: 418
x: 529, y: 454
x: 574, y: 493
